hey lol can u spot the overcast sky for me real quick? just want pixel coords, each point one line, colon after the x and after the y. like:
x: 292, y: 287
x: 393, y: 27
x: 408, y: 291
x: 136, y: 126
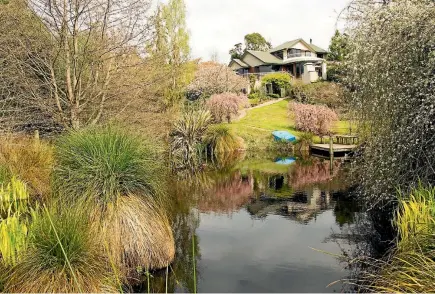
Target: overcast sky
x: 216, y: 25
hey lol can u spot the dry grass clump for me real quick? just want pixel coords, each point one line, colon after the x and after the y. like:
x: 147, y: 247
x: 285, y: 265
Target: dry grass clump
x: 138, y: 233
x: 30, y: 160
x: 63, y: 255
x: 220, y: 139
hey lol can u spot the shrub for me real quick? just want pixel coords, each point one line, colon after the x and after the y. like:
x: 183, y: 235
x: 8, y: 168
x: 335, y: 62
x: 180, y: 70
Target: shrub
x: 63, y: 255
x: 325, y: 93
x: 254, y: 95
x: 281, y: 80
x: 104, y: 164
x: 394, y: 97
x: 274, y: 95
x: 220, y: 139
x: 313, y: 118
x: 226, y: 105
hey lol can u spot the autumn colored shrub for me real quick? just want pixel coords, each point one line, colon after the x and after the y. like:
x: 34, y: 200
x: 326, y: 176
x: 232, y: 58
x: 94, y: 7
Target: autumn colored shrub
x: 315, y: 119
x: 224, y: 106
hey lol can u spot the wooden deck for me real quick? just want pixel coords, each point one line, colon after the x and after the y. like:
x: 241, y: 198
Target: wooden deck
x: 337, y: 148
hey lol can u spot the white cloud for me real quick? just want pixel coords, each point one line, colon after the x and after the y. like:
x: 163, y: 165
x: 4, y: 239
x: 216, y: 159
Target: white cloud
x: 215, y: 26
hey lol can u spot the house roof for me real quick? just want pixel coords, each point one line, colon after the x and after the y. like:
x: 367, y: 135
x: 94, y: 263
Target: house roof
x: 265, y: 57
x: 241, y: 63
x: 285, y: 45
x: 318, y: 49
x: 290, y: 44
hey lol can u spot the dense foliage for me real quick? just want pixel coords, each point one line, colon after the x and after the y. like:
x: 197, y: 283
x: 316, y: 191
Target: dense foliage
x: 391, y: 76
x: 325, y: 93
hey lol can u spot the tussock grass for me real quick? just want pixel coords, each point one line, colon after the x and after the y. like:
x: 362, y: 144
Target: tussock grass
x: 220, y: 139
x: 63, y: 255
x: 105, y: 163
x: 138, y: 233
x: 30, y: 160
x: 122, y: 180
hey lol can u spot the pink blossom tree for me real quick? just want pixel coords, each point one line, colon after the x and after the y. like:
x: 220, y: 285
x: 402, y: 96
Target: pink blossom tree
x: 316, y: 119
x: 224, y: 106
x: 215, y: 78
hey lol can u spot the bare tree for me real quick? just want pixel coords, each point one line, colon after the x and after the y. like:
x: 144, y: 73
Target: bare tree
x: 73, y: 58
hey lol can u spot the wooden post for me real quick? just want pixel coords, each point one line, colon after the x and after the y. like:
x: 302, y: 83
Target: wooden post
x: 331, y: 153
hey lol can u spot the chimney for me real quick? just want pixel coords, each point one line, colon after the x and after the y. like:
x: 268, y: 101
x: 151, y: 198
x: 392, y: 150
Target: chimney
x: 311, y: 41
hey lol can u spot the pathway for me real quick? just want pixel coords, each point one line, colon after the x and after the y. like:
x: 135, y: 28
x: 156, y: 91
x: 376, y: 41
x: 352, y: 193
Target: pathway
x: 244, y: 111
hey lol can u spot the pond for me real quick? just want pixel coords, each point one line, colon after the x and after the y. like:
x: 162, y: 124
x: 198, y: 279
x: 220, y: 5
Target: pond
x: 273, y: 224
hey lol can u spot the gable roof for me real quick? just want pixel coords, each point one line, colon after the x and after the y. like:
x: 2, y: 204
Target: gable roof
x: 285, y: 45
x: 265, y: 57
x: 290, y: 44
x: 318, y: 49
x: 239, y: 62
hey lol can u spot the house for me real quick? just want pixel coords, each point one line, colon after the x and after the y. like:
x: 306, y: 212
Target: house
x: 300, y: 59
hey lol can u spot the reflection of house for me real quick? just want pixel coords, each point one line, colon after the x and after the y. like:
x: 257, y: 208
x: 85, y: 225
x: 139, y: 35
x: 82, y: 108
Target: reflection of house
x: 304, y: 206
x: 298, y: 58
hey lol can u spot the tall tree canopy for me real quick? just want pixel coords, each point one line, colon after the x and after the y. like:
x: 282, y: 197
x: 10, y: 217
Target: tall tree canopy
x: 256, y: 41
x: 237, y: 51
x: 339, y: 48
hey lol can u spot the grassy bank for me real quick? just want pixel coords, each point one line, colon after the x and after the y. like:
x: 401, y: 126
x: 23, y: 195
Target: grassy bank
x: 258, y: 124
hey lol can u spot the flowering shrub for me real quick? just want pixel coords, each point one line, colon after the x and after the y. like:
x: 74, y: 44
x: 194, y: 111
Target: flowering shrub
x: 215, y: 78
x: 224, y: 106
x: 315, y: 119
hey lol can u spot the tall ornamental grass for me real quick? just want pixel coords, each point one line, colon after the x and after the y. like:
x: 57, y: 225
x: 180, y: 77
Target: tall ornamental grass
x: 122, y: 179
x: 104, y: 164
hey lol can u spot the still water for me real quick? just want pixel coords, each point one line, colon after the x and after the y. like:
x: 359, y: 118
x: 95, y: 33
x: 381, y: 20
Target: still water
x: 262, y: 225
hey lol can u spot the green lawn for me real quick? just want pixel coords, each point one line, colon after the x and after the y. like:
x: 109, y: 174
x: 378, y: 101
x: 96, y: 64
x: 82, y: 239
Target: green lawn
x: 258, y: 124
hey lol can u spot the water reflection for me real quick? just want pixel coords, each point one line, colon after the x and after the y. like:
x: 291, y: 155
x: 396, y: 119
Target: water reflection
x: 253, y: 223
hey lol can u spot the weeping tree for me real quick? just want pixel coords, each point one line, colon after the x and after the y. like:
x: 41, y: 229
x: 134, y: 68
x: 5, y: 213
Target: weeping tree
x: 66, y: 61
x: 391, y: 75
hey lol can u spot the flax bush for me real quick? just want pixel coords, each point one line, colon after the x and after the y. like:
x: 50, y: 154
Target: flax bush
x: 391, y: 75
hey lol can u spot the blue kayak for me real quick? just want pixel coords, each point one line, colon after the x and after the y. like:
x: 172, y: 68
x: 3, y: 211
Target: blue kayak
x: 283, y: 136
x: 285, y: 161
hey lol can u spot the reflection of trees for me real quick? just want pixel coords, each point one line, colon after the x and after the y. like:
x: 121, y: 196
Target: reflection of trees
x: 226, y: 195
x: 315, y: 171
